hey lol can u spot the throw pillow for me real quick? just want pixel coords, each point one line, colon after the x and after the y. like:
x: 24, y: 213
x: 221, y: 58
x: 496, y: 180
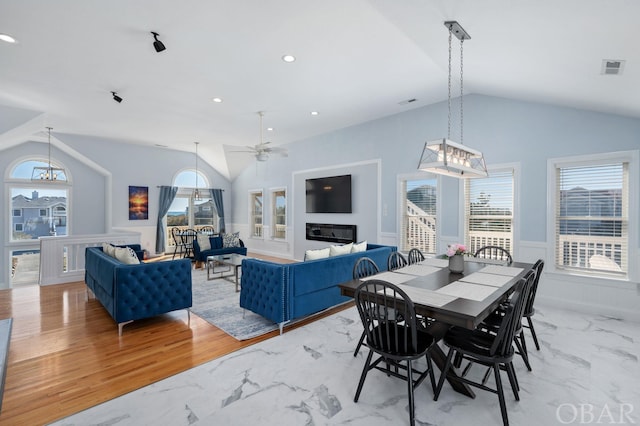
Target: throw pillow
x: 231, y: 240
x: 203, y: 242
x: 109, y: 249
x: 338, y: 250
x: 316, y: 254
x: 127, y: 255
x: 362, y: 246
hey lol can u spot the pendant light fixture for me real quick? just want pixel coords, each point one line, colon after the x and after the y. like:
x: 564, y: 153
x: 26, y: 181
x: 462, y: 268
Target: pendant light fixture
x: 196, y: 192
x: 443, y: 156
x: 49, y: 173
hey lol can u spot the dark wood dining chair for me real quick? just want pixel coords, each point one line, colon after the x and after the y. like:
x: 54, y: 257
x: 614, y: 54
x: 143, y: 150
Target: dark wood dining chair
x: 178, y: 248
x: 207, y: 230
x: 396, y: 344
x: 529, y: 310
x: 188, y: 236
x: 415, y: 256
x: 495, y: 253
x: 494, y: 350
x: 396, y: 261
x: 364, y: 267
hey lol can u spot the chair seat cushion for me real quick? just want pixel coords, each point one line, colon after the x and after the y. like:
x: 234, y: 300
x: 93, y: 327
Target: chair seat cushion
x: 403, y: 348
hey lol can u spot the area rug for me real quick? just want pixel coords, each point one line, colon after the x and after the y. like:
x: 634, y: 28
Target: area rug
x: 217, y: 302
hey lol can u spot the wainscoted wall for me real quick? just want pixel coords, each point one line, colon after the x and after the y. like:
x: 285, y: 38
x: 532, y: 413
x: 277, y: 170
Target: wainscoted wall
x: 607, y: 297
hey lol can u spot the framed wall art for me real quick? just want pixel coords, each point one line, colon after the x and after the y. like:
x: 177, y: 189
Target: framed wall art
x: 138, y: 202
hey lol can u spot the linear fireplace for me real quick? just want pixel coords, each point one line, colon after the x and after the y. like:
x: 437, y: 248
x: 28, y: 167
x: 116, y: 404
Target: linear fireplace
x: 331, y: 232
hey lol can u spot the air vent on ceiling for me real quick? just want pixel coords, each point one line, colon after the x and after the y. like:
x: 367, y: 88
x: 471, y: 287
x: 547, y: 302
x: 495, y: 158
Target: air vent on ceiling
x: 612, y: 66
x: 408, y: 101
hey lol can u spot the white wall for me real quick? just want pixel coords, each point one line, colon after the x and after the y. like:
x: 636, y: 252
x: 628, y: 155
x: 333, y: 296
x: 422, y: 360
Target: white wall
x: 507, y: 131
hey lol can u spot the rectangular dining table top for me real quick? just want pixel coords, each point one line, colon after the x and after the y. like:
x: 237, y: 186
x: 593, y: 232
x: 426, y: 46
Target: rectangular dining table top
x: 458, y: 299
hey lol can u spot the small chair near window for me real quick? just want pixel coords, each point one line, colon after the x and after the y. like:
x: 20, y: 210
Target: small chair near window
x: 187, y: 241
x: 396, y: 344
x: 495, y: 253
x: 396, y: 261
x: 207, y: 230
x: 178, y: 248
x: 415, y: 256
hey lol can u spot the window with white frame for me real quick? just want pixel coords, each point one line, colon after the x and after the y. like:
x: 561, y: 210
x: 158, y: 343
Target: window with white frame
x: 591, y: 214
x: 187, y: 212
x: 255, y: 214
x: 34, y: 220
x: 279, y: 213
x: 489, y: 208
x: 419, y: 214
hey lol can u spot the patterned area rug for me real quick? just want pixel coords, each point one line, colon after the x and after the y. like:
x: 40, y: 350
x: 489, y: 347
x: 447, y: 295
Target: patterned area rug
x: 217, y: 302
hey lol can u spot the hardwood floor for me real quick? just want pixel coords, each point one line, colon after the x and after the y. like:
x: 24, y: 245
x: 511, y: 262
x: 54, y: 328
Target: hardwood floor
x: 65, y: 354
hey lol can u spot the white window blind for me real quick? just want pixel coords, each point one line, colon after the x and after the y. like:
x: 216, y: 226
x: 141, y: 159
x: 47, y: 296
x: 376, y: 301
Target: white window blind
x: 419, y: 215
x: 592, y: 218
x: 489, y: 211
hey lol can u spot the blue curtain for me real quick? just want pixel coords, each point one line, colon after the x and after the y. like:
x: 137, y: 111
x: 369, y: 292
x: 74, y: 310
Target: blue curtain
x: 167, y: 194
x: 216, y: 195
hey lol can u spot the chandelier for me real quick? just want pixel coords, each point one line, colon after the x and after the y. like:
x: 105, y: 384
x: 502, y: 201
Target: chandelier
x: 49, y: 173
x: 443, y: 156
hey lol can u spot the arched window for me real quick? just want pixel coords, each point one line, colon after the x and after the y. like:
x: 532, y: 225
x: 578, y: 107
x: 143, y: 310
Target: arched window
x: 36, y: 209
x: 189, y: 212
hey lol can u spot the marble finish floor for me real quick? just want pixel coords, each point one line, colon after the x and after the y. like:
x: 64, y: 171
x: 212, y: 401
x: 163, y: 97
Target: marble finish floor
x: 586, y: 372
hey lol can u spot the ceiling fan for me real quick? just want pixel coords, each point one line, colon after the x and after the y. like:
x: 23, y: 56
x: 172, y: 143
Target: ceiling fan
x: 262, y: 150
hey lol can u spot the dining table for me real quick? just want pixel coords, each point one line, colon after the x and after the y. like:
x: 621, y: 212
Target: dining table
x: 451, y: 299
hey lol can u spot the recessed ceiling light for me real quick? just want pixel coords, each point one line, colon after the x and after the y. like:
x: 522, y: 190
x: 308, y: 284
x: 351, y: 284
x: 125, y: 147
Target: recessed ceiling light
x: 314, y: 112
x: 7, y: 38
x: 217, y: 100
x: 289, y: 58
x: 269, y: 129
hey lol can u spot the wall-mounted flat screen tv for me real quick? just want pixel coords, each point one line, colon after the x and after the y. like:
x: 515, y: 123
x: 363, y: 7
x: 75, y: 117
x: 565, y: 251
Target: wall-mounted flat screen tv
x: 329, y: 194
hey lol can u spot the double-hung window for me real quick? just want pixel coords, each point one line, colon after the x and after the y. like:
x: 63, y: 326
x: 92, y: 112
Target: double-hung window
x: 489, y: 208
x: 419, y: 214
x: 591, y: 214
x: 279, y: 213
x: 255, y: 213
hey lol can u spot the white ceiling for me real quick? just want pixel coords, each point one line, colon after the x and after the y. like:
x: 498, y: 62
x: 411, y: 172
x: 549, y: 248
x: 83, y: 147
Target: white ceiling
x: 356, y: 60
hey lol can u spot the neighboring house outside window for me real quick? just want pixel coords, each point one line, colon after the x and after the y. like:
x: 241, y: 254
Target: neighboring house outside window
x: 591, y: 213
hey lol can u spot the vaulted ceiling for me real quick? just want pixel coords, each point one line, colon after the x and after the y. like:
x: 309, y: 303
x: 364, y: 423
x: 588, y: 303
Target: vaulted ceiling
x: 356, y: 60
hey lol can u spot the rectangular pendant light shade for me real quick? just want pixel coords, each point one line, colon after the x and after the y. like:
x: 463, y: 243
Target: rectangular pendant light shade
x: 449, y: 158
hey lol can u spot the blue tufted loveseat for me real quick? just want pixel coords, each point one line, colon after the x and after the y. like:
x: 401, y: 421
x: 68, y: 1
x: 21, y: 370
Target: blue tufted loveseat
x: 215, y: 250
x: 132, y: 292
x: 283, y: 292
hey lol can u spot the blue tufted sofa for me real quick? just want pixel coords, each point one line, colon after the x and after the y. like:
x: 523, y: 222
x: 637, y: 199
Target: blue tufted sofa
x: 215, y: 250
x: 283, y: 292
x: 132, y: 292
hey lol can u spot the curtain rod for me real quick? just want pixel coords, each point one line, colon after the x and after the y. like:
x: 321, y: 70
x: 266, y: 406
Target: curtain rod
x: 189, y: 187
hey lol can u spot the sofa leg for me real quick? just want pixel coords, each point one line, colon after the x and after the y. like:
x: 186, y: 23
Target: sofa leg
x: 121, y: 325
x: 188, y: 318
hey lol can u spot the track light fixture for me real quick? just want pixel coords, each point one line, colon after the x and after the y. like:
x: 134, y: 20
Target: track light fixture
x: 157, y: 44
x: 116, y: 98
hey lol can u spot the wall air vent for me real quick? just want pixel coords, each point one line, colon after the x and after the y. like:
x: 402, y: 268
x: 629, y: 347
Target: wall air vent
x: 612, y: 66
